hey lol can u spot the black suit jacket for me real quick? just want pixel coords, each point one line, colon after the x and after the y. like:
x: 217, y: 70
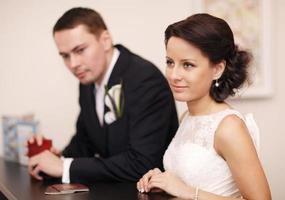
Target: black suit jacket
x: 134, y: 143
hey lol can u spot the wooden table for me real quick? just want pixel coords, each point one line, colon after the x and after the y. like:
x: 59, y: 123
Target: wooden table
x: 16, y: 183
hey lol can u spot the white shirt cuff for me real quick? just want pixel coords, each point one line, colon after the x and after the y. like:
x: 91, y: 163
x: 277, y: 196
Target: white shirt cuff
x: 66, y: 166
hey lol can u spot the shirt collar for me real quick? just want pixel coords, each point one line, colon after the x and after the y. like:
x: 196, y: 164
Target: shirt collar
x: 107, y: 75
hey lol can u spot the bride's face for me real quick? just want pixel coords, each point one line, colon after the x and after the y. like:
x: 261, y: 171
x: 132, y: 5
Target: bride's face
x: 189, y: 72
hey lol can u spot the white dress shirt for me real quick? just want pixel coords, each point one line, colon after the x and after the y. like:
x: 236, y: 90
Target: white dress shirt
x: 99, y: 99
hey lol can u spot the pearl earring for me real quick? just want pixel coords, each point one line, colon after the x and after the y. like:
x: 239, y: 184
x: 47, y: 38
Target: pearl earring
x: 217, y: 84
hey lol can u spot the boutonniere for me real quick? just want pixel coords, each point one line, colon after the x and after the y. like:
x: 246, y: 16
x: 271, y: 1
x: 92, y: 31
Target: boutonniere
x: 114, y: 100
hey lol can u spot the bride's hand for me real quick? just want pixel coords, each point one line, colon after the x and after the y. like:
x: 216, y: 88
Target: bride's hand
x: 142, y: 184
x: 171, y: 184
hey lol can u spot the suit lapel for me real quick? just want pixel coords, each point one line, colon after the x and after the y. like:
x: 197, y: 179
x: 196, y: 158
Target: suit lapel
x: 120, y: 66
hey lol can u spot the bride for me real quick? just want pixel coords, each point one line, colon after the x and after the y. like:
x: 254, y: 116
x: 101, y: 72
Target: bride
x: 212, y: 156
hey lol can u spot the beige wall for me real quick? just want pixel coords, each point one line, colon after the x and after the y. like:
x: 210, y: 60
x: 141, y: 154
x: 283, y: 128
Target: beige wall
x: 34, y: 80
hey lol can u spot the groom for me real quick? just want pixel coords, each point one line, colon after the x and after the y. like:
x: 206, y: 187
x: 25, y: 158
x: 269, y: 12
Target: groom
x: 127, y: 115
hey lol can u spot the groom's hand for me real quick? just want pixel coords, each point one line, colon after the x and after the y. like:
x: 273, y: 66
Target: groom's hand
x: 46, y: 162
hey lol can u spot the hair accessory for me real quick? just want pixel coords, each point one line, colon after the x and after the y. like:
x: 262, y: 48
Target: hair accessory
x: 217, y: 84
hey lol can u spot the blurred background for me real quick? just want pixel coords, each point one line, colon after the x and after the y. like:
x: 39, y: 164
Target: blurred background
x: 33, y: 79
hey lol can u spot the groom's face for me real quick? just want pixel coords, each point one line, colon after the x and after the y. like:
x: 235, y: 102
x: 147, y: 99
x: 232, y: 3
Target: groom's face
x: 84, y: 54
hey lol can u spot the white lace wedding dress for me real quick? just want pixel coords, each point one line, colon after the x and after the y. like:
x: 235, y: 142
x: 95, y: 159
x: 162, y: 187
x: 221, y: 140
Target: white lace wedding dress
x: 192, y: 157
